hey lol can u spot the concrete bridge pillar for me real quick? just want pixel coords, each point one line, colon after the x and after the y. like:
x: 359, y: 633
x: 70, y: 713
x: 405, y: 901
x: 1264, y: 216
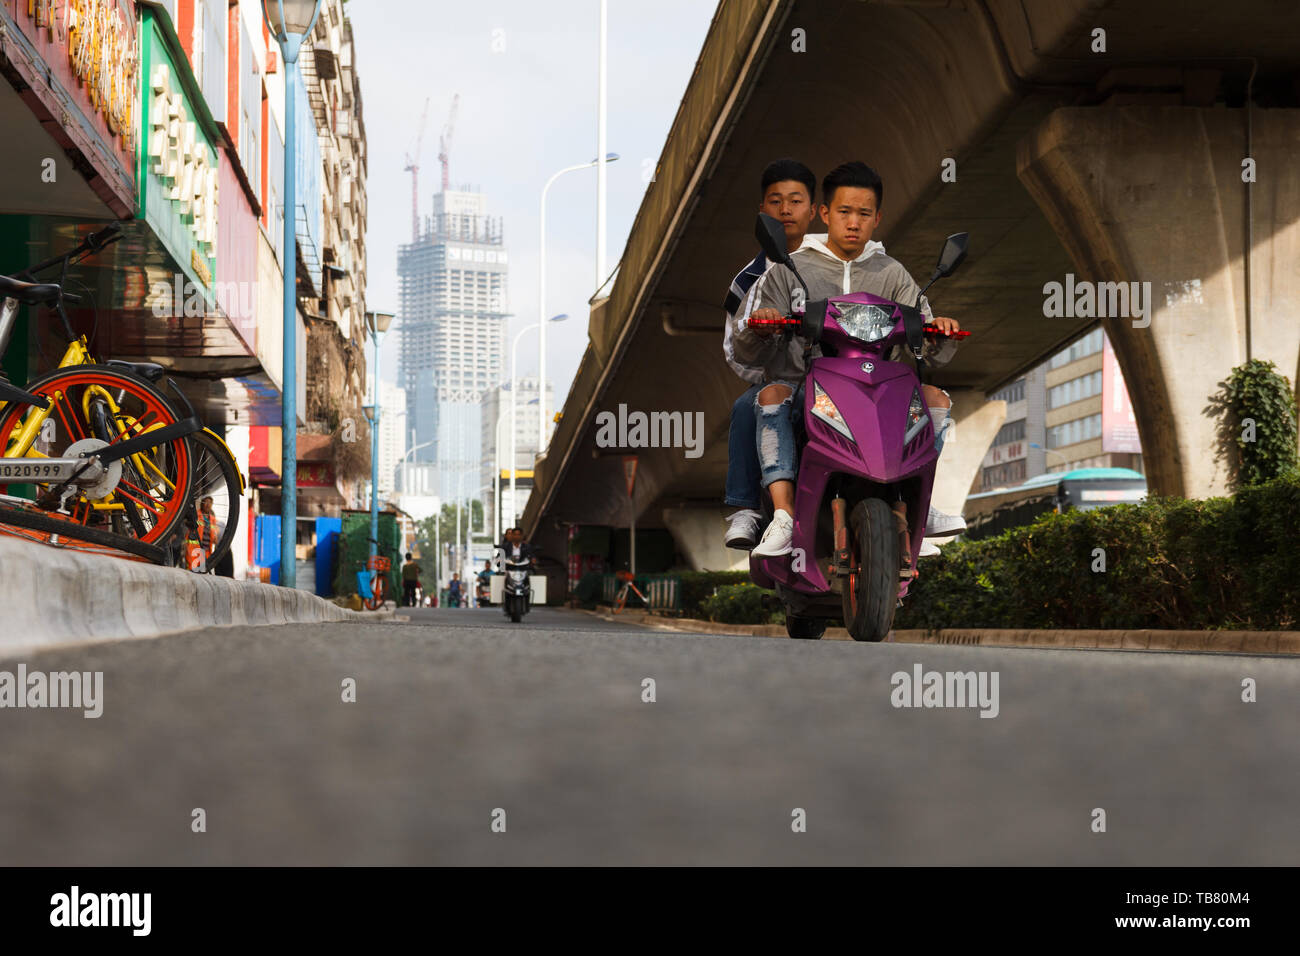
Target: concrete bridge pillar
x: 698, y: 532
x: 975, y: 423
x: 1155, y: 194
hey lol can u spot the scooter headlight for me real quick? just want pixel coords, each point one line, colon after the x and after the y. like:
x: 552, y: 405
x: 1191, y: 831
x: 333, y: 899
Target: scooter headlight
x: 916, y: 417
x: 864, y: 321
x: 825, y: 409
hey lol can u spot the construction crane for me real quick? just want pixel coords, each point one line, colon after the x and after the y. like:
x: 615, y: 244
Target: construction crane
x: 413, y: 167
x: 444, y: 143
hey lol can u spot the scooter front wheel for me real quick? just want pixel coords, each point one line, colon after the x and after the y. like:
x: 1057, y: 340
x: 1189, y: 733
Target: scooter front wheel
x: 871, y: 593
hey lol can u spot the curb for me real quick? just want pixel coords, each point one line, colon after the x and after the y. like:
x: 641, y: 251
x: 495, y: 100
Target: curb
x: 59, y: 596
x: 1213, y: 642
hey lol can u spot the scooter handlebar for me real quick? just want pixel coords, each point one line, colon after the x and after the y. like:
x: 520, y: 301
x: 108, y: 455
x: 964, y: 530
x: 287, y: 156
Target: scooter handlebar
x: 794, y: 322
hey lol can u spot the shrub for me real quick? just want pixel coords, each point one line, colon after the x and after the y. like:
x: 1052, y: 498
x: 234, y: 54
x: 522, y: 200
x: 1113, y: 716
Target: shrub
x: 1261, y: 422
x: 1169, y: 563
x: 698, y: 586
x: 739, y: 604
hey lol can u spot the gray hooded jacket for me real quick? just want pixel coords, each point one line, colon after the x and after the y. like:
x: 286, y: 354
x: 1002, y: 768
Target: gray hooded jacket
x: 827, y: 275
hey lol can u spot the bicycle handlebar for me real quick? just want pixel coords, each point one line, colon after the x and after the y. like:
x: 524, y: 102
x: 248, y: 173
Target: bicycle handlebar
x: 94, y: 242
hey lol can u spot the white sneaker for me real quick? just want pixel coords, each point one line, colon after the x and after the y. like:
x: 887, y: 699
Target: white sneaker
x: 742, y: 532
x: 928, y: 549
x: 777, y: 538
x: 940, y: 525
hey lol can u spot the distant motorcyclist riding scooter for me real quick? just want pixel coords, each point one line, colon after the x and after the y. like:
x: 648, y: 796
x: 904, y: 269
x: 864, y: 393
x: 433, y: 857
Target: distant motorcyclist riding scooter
x: 847, y: 531
x: 516, y: 557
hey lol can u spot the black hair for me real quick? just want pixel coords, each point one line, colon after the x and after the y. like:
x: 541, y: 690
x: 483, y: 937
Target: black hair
x: 856, y: 174
x: 780, y: 170
x: 408, y: 556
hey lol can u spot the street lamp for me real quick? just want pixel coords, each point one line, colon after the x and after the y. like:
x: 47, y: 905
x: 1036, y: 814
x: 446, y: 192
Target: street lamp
x: 514, y: 391
x: 289, y: 22
x: 1046, y: 450
x: 541, y: 298
x: 377, y: 323
x: 406, y: 473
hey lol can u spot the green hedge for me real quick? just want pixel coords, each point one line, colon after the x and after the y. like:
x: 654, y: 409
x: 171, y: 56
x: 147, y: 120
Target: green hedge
x: 741, y: 604
x: 698, y: 586
x: 1169, y: 563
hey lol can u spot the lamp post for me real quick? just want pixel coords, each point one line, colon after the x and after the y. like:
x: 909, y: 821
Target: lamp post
x: 496, y: 478
x: 289, y: 22
x: 601, y: 159
x: 378, y: 323
x: 406, y: 474
x: 541, y: 297
x: 1048, y: 451
x: 514, y: 391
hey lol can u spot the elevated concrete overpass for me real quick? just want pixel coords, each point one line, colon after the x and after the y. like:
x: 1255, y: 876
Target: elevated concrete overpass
x: 1122, y: 165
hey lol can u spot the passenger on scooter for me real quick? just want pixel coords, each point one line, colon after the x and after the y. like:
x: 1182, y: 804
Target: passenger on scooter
x: 786, y: 191
x: 515, y: 550
x: 847, y: 261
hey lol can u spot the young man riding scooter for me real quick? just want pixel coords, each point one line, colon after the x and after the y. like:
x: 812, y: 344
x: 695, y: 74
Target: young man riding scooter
x: 847, y: 261
x: 786, y: 192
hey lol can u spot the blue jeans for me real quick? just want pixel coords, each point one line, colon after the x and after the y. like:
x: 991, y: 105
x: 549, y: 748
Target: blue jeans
x: 742, y: 455
x: 774, y: 434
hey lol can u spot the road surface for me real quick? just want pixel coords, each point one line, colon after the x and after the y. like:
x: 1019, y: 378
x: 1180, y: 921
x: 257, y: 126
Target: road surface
x: 463, y: 724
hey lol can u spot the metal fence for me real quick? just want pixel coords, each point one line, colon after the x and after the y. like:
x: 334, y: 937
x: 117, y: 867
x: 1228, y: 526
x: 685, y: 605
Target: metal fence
x: 663, y: 591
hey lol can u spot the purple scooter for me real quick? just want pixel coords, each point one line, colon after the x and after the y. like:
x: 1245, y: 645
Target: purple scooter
x: 866, y: 459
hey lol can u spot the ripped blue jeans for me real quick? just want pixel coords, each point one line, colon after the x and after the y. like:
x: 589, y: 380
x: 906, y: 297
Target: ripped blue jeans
x: 774, y: 435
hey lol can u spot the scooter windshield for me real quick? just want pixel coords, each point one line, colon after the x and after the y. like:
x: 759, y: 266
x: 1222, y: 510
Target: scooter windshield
x: 865, y: 321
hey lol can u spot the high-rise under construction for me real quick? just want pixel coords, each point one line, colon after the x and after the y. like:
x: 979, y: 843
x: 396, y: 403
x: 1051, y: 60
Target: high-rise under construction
x: 452, y: 323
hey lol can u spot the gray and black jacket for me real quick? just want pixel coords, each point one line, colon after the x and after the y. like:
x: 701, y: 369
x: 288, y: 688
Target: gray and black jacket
x: 827, y: 275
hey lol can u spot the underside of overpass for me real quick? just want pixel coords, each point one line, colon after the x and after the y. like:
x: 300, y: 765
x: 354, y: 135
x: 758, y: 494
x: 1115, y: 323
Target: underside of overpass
x: 1115, y: 165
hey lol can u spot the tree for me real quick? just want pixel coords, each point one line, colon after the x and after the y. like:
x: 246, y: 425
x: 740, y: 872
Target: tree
x: 424, y: 536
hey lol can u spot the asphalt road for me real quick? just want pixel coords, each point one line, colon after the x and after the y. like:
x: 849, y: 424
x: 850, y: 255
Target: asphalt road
x: 459, y: 714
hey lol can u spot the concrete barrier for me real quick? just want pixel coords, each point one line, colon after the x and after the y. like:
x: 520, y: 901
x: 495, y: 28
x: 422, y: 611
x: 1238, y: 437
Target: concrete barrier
x: 54, y: 596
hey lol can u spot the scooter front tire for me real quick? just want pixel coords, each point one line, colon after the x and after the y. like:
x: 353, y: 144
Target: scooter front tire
x: 871, y: 594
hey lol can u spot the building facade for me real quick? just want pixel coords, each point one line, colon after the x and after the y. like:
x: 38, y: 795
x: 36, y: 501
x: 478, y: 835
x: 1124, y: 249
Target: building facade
x: 1072, y: 411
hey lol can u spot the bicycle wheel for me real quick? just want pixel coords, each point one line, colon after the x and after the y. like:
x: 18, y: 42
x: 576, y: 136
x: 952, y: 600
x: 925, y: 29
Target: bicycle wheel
x: 90, y: 407
x: 216, y: 476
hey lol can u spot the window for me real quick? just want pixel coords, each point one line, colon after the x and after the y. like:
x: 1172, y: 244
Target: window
x: 210, y: 53
x: 1015, y: 392
x: 250, y: 99
x: 1076, y: 389
x: 1073, y: 432
x: 1008, y: 473
x: 1011, y: 431
x: 1090, y: 344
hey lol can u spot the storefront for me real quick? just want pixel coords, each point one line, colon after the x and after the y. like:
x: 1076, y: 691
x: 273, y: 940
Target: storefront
x: 69, y: 114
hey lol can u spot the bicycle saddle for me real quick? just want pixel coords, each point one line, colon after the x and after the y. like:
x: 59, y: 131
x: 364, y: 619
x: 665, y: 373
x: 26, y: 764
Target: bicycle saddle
x: 32, y: 293
x: 150, y: 371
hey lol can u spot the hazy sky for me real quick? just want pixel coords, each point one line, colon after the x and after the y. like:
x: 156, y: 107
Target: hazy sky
x: 526, y: 75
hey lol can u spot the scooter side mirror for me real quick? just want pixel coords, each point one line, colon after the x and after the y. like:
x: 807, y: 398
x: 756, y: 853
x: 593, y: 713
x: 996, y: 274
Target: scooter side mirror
x: 954, y: 251
x: 771, y: 239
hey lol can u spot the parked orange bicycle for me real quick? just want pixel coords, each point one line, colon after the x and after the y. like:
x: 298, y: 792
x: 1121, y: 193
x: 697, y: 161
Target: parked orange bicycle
x: 629, y: 586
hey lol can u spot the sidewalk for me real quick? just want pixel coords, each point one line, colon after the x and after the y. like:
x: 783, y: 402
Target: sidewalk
x: 1223, y: 642
x: 59, y: 596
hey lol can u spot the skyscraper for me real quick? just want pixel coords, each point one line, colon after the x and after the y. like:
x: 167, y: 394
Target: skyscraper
x: 452, y: 323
